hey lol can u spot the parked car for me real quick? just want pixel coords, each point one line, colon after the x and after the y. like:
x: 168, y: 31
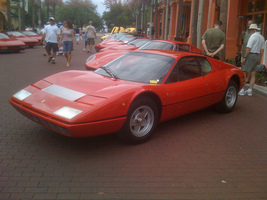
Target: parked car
x: 118, y: 40
x: 33, y: 35
x: 130, y: 46
x: 131, y: 94
x: 29, y: 42
x: 114, y: 30
x: 107, y: 54
x: 10, y: 45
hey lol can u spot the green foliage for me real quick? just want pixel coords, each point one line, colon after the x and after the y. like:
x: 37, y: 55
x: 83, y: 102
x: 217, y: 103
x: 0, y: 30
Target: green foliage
x: 261, y: 78
x: 79, y: 12
x: 119, y: 14
x: 28, y: 16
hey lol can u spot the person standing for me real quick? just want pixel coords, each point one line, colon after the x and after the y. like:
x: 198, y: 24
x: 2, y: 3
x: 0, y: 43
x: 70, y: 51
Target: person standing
x: 152, y: 32
x: 91, y: 36
x: 77, y: 34
x: 51, y: 36
x: 67, y: 40
x: 252, y: 57
x: 85, y: 41
x: 43, y: 41
x: 245, y: 38
x: 213, y: 40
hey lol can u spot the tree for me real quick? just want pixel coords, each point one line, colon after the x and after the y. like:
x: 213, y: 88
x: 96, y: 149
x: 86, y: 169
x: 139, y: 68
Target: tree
x: 120, y: 13
x: 47, y: 3
x: 79, y: 12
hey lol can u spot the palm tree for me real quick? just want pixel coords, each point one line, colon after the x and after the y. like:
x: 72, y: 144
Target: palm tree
x: 33, y: 15
x: 54, y: 4
x: 47, y: 2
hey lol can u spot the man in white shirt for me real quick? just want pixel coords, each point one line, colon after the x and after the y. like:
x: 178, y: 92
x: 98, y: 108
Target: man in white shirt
x: 51, y: 36
x: 91, y: 36
x: 252, y: 57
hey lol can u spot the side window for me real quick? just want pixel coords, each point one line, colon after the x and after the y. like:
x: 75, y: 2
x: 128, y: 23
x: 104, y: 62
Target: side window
x: 205, y: 65
x: 182, y: 47
x: 173, y: 77
x: 188, y: 68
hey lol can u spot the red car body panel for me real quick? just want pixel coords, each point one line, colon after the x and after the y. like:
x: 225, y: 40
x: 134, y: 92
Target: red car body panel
x: 105, y: 101
x: 100, y: 46
x: 37, y: 36
x: 7, y: 44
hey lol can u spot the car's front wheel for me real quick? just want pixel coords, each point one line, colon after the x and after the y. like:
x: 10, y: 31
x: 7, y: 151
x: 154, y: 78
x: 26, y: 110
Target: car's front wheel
x: 229, y: 100
x: 141, y: 120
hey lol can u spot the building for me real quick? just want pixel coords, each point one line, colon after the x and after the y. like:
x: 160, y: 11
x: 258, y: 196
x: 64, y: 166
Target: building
x: 3, y: 15
x: 239, y: 12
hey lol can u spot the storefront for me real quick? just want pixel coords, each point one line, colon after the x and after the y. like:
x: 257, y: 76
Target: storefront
x: 239, y: 12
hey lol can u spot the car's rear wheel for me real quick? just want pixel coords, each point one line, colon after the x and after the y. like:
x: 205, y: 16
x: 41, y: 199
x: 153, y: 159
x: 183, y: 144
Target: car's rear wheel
x: 141, y: 120
x: 229, y: 100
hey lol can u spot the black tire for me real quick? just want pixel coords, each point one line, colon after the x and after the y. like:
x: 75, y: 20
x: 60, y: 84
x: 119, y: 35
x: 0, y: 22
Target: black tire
x: 141, y: 120
x: 229, y: 99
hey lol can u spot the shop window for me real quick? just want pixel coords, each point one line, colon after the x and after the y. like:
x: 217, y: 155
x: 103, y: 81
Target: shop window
x: 260, y: 5
x: 251, y: 6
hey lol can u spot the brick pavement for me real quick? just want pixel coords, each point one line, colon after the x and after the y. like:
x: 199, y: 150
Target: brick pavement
x: 204, y: 155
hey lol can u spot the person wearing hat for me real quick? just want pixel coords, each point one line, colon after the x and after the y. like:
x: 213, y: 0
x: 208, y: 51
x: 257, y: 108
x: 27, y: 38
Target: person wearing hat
x: 213, y: 40
x: 91, y: 36
x: 252, y: 57
x: 51, y: 36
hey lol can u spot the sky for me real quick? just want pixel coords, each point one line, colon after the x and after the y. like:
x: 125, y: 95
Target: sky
x: 100, y: 7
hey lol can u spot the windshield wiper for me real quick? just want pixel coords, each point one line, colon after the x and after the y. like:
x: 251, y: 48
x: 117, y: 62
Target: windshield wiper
x: 109, y: 72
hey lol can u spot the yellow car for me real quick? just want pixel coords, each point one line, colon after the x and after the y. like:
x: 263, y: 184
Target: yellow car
x: 130, y: 30
x: 115, y: 29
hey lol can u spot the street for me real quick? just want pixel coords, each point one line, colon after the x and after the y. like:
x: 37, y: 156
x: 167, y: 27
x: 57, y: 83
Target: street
x: 204, y: 155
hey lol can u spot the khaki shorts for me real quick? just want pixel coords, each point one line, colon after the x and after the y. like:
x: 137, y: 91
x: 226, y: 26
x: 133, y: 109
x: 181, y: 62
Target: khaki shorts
x: 91, y: 41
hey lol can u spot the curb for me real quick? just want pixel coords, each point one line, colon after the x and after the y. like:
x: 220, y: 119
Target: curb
x: 259, y: 89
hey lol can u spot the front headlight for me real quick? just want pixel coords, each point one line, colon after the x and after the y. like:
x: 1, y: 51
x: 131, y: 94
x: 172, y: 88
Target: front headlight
x: 22, y: 94
x: 67, y: 112
x: 92, y: 57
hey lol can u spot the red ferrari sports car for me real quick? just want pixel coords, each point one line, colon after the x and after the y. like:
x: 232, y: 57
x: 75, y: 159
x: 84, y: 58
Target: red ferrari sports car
x: 30, y: 42
x: 8, y: 45
x: 131, y: 94
x: 104, y: 56
x: 33, y: 35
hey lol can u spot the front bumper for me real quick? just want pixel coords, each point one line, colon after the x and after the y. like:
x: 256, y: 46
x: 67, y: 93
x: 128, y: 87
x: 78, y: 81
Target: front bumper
x: 86, y: 129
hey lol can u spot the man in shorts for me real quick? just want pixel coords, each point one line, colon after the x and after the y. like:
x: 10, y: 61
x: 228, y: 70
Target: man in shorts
x: 252, y: 57
x: 91, y: 36
x: 213, y: 40
x: 51, y: 36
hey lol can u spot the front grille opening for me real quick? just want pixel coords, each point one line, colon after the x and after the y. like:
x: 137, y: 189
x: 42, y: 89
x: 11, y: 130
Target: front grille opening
x: 44, y: 122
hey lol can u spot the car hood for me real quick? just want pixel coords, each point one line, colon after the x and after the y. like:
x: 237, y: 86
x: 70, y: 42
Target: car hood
x: 98, y: 97
x: 26, y: 39
x: 10, y: 42
x: 89, y: 83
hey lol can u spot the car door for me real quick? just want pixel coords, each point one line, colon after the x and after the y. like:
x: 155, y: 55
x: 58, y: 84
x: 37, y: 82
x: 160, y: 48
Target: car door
x: 186, y: 89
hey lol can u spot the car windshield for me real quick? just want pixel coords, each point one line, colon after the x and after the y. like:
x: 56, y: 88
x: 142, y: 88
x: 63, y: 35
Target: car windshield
x: 138, y: 67
x: 127, y: 38
x: 138, y: 42
x: 15, y: 33
x: 3, y: 36
x: 29, y: 33
x: 158, y: 45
